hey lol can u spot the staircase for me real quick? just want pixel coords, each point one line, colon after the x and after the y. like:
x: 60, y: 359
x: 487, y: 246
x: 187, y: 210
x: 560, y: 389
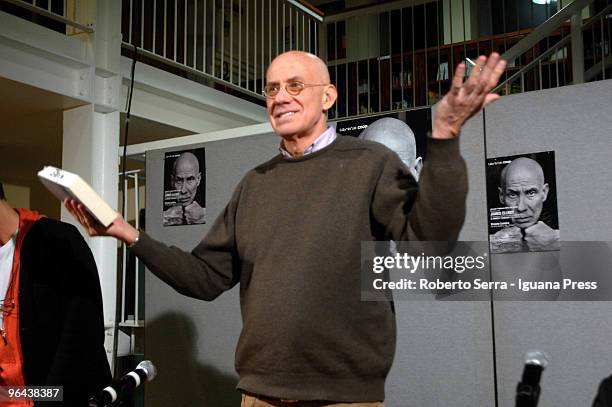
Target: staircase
x: 581, y: 56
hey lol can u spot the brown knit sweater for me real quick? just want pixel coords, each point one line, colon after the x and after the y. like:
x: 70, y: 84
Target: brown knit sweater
x: 291, y: 236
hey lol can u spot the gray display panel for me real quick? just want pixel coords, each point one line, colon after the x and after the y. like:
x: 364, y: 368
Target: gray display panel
x: 573, y: 121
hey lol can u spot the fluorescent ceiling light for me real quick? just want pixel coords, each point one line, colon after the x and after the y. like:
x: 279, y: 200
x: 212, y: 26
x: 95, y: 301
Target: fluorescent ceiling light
x: 543, y: 1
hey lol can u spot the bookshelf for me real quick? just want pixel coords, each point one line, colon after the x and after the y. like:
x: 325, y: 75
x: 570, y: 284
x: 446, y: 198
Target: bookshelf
x: 421, y: 77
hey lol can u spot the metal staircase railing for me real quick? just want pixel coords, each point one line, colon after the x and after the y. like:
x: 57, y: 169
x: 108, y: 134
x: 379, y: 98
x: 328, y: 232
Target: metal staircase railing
x: 225, y: 43
x: 64, y: 12
x: 568, y: 49
x: 605, y: 47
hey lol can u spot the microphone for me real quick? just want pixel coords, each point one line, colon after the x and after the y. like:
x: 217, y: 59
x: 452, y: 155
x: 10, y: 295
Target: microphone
x: 528, y: 389
x: 145, y: 371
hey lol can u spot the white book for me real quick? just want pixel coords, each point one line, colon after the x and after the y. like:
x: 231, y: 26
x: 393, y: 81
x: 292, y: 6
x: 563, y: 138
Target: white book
x: 64, y: 184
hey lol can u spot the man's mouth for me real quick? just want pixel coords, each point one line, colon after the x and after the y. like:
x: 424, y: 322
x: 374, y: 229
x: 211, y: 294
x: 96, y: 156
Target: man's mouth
x: 522, y: 219
x: 285, y: 114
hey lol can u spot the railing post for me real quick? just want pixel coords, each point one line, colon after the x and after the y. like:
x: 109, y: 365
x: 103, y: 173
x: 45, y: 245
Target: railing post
x: 577, y: 48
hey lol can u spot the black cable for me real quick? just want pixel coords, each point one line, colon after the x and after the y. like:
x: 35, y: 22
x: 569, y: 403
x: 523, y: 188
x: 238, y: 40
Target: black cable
x: 118, y: 315
x: 127, y: 125
x: 491, y: 300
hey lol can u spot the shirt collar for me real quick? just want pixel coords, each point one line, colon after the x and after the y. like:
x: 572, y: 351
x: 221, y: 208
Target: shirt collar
x: 325, y: 139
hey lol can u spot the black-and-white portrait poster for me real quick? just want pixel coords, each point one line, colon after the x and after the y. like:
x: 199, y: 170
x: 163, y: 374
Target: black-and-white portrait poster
x: 522, y: 203
x: 184, y: 188
x: 403, y: 132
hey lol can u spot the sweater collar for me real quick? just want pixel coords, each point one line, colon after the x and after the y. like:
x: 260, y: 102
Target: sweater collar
x: 325, y: 139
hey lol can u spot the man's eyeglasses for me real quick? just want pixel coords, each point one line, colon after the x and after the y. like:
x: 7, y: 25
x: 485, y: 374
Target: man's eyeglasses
x: 293, y: 88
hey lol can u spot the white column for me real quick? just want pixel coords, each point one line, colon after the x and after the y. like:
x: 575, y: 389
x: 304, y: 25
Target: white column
x: 90, y: 145
x: 91, y: 141
x: 577, y: 49
x: 455, y: 30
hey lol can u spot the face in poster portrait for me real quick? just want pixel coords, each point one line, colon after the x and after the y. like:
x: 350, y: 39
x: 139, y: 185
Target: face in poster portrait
x: 522, y: 203
x: 402, y: 132
x: 184, y: 188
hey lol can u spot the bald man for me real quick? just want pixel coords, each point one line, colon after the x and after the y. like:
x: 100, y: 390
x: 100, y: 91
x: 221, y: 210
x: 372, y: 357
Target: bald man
x: 523, y: 188
x: 398, y: 137
x: 185, y: 179
x: 291, y: 236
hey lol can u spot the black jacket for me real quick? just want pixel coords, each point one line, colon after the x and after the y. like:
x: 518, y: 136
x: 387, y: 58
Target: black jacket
x: 61, y: 315
x: 604, y: 394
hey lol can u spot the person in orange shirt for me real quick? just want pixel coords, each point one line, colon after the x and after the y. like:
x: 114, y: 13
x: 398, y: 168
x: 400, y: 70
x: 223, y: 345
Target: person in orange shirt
x: 51, y: 324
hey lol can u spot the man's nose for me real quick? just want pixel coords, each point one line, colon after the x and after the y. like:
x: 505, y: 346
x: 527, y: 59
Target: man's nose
x: 183, y: 188
x: 282, y: 96
x: 521, y: 204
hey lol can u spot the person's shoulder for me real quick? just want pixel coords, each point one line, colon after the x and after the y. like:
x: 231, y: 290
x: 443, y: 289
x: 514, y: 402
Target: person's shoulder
x: 55, y: 229
x: 265, y: 166
x: 52, y: 237
x: 349, y: 142
x: 260, y: 170
x: 369, y: 148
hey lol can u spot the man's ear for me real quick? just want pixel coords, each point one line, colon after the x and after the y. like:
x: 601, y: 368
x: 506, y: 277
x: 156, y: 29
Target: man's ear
x: 500, y: 194
x: 545, y: 191
x: 330, y: 94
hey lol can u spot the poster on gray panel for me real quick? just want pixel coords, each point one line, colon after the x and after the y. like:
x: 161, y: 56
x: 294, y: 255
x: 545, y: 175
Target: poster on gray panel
x: 522, y: 203
x: 403, y: 132
x: 184, y: 188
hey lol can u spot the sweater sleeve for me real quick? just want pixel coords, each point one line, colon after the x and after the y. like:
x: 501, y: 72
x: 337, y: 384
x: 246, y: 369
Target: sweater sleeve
x: 212, y: 266
x: 433, y: 210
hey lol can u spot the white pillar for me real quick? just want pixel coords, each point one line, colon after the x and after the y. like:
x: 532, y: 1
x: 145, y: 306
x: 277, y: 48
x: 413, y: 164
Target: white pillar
x: 577, y: 49
x: 454, y: 14
x: 91, y: 141
x: 90, y: 145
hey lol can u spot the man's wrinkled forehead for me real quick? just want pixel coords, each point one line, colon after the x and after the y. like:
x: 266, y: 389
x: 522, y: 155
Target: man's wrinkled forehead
x: 186, y: 174
x: 522, y: 168
x: 523, y: 185
x: 297, y: 64
x: 296, y: 78
x: 524, y: 178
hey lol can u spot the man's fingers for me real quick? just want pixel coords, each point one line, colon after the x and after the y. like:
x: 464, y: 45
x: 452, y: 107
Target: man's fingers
x: 466, y: 97
x: 487, y: 72
x: 72, y: 207
x: 490, y: 98
x: 488, y: 79
x: 83, y: 216
x: 86, y: 219
x: 497, y: 72
x: 492, y: 62
x: 458, y: 78
x: 478, y: 69
x: 534, y: 227
x: 80, y: 213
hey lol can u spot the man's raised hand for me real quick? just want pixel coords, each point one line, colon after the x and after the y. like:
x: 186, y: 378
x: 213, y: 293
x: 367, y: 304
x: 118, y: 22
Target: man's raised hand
x: 465, y: 99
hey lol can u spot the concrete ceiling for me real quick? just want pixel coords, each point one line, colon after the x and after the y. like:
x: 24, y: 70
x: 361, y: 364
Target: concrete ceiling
x: 20, y: 99
x: 31, y: 130
x: 144, y: 130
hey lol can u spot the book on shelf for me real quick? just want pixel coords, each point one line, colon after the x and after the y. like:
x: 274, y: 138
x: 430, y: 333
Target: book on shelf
x: 64, y: 184
x: 442, y: 71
